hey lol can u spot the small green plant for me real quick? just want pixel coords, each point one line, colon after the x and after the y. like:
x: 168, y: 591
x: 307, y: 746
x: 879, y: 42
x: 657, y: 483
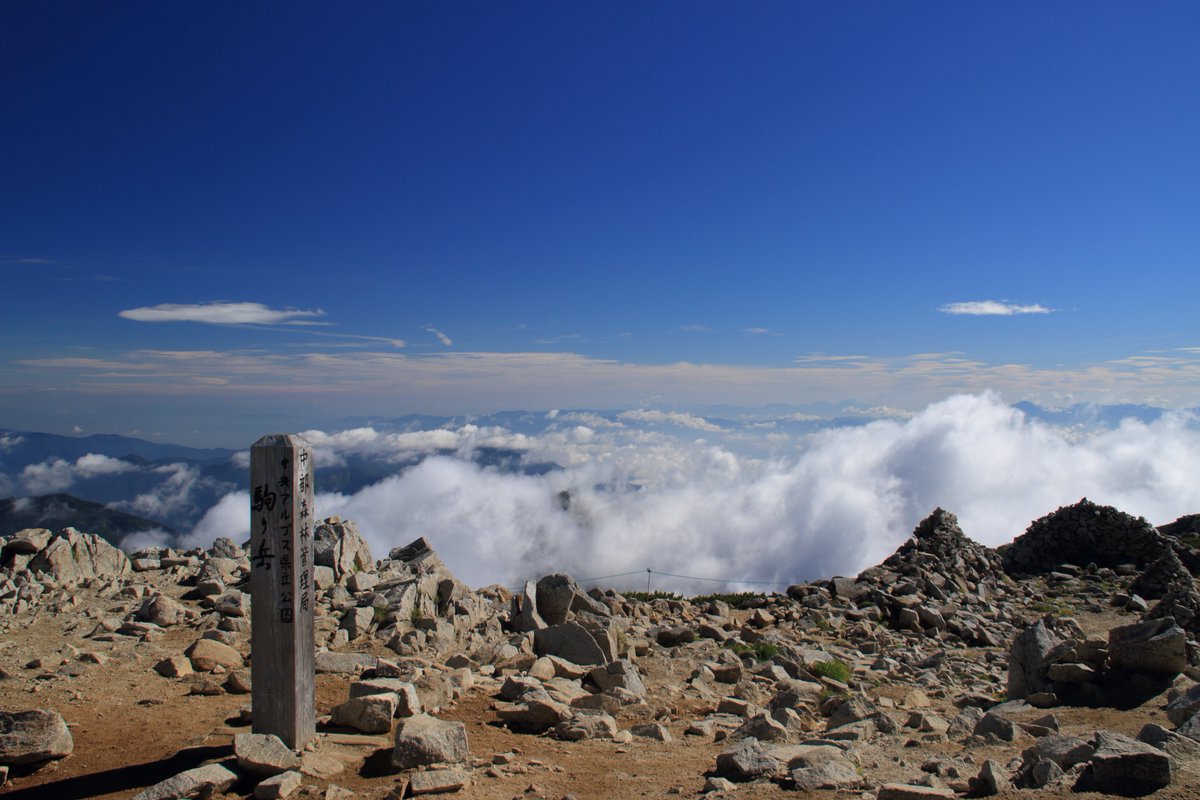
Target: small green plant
x: 379, y: 614
x: 646, y: 597
x: 414, y: 614
x: 834, y: 669
x: 1192, y: 540
x: 825, y: 694
x: 739, y: 600
x: 759, y: 651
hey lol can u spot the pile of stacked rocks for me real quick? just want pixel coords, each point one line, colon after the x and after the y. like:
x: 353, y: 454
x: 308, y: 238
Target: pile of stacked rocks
x: 1051, y: 663
x: 935, y: 582
x: 1087, y: 534
x: 1084, y: 533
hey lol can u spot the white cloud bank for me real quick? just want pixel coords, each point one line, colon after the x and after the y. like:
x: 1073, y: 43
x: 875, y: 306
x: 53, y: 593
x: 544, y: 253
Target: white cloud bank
x: 844, y: 501
x: 992, y: 308
x: 58, y: 475
x: 219, y: 313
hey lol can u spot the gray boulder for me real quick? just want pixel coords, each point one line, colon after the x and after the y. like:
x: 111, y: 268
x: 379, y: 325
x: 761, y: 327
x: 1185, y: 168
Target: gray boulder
x: 199, y: 782
x: 1125, y: 766
x: 370, y: 714
x: 620, y: 673
x: 1027, y: 661
x: 31, y: 737
x: 1157, y: 645
x: 570, y: 641
x: 524, y: 616
x: 423, y: 739
x: 263, y: 754
x: 338, y: 545
x: 558, y: 595
x: 72, y: 557
x: 746, y: 760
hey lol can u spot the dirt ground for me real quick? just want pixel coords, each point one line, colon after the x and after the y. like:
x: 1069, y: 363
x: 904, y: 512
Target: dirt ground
x: 133, y: 728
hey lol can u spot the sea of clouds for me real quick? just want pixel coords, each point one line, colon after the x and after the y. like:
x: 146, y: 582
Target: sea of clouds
x: 682, y: 496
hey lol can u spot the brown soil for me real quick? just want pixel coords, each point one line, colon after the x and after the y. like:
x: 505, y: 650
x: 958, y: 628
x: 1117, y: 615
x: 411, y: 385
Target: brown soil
x: 133, y: 728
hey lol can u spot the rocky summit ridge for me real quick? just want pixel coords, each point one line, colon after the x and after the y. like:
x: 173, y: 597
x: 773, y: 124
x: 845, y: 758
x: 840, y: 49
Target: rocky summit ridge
x: 1061, y: 664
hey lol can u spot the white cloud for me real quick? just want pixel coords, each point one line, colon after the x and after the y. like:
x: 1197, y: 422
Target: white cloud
x: 979, y: 308
x: 219, y: 313
x: 843, y: 502
x: 57, y: 474
x: 694, y: 327
x: 443, y: 338
x: 669, y: 418
x: 173, y: 497
x: 756, y: 331
x: 229, y: 517
x: 8, y: 442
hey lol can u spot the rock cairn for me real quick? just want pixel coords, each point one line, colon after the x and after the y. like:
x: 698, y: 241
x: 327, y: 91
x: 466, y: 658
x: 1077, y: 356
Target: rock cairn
x: 1081, y: 534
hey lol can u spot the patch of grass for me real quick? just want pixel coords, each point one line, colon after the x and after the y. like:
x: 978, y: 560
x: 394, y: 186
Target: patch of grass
x: 645, y: 597
x: 739, y: 600
x: 1192, y: 540
x: 836, y: 670
x: 759, y: 651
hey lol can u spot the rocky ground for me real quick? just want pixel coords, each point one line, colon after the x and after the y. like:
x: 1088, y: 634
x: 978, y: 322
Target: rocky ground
x: 1065, y: 665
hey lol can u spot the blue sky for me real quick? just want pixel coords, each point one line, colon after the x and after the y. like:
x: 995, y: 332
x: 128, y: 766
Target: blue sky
x: 218, y: 217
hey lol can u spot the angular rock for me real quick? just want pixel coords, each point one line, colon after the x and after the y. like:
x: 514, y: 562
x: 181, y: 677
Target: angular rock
x: 338, y: 545
x: 1126, y: 766
x: 1185, y: 706
x: 1154, y: 646
x: 992, y: 780
x: 569, y: 641
x: 422, y: 740
x: 72, y: 557
x: 208, y: 654
x: 202, y: 781
x: 524, y: 616
x: 32, y: 737
x: 587, y: 725
x: 1027, y: 661
x: 344, y: 663
x: 162, y: 611
x: 263, y: 754
x: 369, y: 714
x: 558, y: 595
x: 620, y: 673
x: 746, y: 760
x: 439, y: 781
x: 278, y: 786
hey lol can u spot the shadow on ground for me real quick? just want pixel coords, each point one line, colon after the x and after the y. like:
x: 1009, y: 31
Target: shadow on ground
x: 135, y: 776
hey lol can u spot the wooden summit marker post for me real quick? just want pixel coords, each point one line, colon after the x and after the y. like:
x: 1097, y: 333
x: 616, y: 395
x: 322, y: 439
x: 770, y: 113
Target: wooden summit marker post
x: 283, y: 693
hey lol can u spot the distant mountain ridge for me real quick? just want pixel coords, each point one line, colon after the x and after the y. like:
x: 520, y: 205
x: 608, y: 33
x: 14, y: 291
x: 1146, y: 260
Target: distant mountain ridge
x: 55, y: 511
x: 19, y: 448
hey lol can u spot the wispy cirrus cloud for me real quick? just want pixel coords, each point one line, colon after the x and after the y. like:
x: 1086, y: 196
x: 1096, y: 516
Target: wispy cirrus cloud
x: 695, y: 327
x: 441, y: 337
x: 756, y: 331
x: 992, y: 308
x: 221, y: 313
